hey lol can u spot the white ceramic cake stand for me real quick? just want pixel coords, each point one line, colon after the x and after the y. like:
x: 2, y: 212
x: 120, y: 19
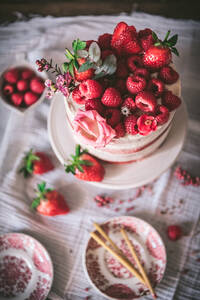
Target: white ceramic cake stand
x: 119, y: 176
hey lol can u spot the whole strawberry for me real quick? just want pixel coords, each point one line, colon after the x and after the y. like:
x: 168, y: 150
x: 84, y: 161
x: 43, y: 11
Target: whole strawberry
x: 85, y: 167
x: 174, y: 232
x: 36, y: 163
x: 80, y: 76
x: 159, y: 54
x: 49, y: 202
x: 111, y: 97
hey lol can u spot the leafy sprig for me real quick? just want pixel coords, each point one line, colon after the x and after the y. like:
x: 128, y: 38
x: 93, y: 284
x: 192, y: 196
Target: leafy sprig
x: 27, y: 168
x: 170, y: 43
x: 76, y: 162
x: 41, y: 194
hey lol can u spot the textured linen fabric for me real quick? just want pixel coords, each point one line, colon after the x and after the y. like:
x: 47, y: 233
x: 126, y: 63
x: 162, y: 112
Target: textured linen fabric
x: 164, y: 202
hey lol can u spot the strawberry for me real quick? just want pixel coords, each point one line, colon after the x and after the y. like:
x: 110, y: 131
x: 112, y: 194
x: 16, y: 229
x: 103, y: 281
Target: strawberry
x: 27, y: 74
x: 146, y: 38
x: 90, y: 89
x: 118, y: 31
x: 156, y: 86
x: 135, y: 84
x: 130, y: 124
x: 134, y: 62
x: 120, y: 130
x: 142, y: 72
x: 170, y: 100
x: 111, y: 97
x: 168, y: 75
x: 11, y: 76
x: 30, y: 98
x: 8, y: 89
x: 36, y: 163
x: 94, y: 104
x: 17, y: 98
x: 104, y: 41
x: 22, y: 85
x: 122, y: 71
x: 162, y: 114
x: 113, y: 116
x: 77, y: 96
x: 49, y: 202
x: 80, y: 76
x: 37, y: 85
x: 146, y: 124
x: 174, y: 232
x: 85, y: 167
x: 159, y: 54
x: 146, y: 101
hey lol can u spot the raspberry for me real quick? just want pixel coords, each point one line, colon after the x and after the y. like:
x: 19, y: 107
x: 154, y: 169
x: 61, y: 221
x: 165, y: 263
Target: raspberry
x: 142, y: 72
x: 146, y: 124
x: 162, y: 114
x: 174, y: 232
x: 170, y: 100
x: 80, y: 76
x: 113, y: 116
x: 121, y: 85
x: 90, y: 89
x: 132, y: 47
x: 37, y: 85
x: 27, y: 74
x: 111, y: 97
x: 133, y: 62
x: 94, y: 104
x: 146, y: 38
x: 22, y: 85
x: 8, y: 89
x: 11, y: 75
x: 77, y: 96
x: 104, y: 41
x: 135, y: 84
x: 130, y: 124
x: 106, y: 53
x: 156, y: 86
x: 17, y: 98
x: 120, y: 130
x: 30, y: 98
x: 146, y: 101
x: 168, y: 75
x: 119, y: 29
x: 122, y: 71
x: 129, y: 103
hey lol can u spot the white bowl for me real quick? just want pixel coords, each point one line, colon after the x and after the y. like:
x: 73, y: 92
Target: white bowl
x: 4, y: 101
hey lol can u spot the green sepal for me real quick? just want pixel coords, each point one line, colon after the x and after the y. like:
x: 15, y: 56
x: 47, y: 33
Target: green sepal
x: 71, y: 68
x: 41, y: 194
x: 68, y: 54
x: 27, y: 168
x: 35, y: 203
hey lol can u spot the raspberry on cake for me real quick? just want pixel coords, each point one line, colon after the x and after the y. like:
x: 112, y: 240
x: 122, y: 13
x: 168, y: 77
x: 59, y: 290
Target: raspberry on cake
x: 121, y: 92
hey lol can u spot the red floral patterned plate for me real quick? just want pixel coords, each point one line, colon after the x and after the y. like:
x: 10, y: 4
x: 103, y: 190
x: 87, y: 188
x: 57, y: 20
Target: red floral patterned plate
x: 26, y: 270
x: 108, y: 276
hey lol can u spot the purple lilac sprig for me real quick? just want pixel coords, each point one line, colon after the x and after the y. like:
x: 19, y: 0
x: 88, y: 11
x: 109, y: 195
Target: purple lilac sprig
x: 44, y: 65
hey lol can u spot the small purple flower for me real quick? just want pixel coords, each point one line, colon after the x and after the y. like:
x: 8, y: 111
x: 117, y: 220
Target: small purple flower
x: 48, y: 83
x: 49, y: 94
x: 68, y: 78
x: 65, y: 91
x: 60, y: 81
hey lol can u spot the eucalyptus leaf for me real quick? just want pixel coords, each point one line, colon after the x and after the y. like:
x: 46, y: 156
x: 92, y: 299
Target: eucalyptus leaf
x: 110, y: 64
x: 82, y: 53
x: 86, y: 66
x: 94, y: 52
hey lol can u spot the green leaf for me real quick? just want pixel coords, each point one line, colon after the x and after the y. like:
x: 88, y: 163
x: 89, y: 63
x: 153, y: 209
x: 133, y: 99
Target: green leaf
x: 86, y: 162
x: 76, y: 65
x: 175, y: 51
x: 167, y: 35
x: 86, y: 66
x: 81, y: 45
x: 157, y: 44
x: 35, y: 202
x: 154, y: 35
x: 173, y: 40
x: 97, y: 76
x: 69, y: 55
x: 80, y: 168
x: 71, y: 68
x: 41, y: 186
x: 78, y: 150
x: 74, y: 45
x: 65, y: 67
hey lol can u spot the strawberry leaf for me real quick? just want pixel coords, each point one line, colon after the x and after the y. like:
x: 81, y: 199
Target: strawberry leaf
x: 173, y: 40
x: 86, y: 66
x: 85, y: 162
x: 71, y: 68
x: 78, y: 150
x: 175, y: 51
x: 65, y: 67
x: 27, y: 168
x: 167, y: 35
x: 41, y: 186
x: 35, y: 202
x: 80, y: 168
x: 69, y: 55
x: 76, y: 65
x: 154, y: 35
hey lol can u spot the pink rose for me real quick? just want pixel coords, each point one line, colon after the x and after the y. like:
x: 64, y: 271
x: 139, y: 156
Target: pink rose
x: 146, y: 124
x: 92, y: 129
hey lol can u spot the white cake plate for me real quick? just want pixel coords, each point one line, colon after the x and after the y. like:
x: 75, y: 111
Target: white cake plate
x: 122, y: 176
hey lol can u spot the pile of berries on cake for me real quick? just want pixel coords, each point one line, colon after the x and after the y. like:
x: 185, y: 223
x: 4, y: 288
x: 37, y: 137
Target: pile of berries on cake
x: 22, y: 87
x: 128, y: 99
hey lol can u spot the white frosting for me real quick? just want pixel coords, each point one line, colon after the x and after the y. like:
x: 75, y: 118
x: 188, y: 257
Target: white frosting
x: 129, y: 147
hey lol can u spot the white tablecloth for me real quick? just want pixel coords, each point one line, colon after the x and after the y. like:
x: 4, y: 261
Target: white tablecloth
x: 65, y: 236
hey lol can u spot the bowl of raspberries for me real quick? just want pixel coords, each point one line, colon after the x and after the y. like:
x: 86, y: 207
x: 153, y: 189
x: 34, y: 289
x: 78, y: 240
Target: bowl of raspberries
x: 21, y: 88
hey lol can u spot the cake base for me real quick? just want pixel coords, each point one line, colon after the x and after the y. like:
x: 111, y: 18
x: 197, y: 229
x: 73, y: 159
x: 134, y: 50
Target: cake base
x: 126, y: 175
